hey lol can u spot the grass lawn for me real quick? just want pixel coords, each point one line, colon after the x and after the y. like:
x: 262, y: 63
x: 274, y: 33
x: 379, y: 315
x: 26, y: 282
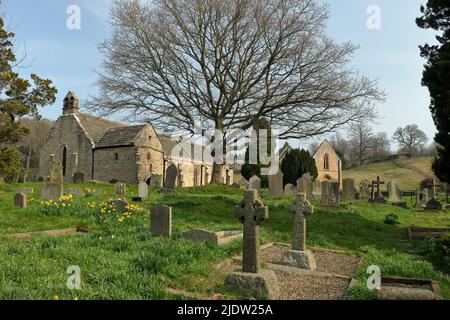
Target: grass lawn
x: 407, y: 172
x: 119, y: 260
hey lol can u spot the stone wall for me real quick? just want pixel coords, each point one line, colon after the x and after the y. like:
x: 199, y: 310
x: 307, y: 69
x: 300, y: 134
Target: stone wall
x: 150, y: 159
x: 118, y: 163
x: 66, y: 131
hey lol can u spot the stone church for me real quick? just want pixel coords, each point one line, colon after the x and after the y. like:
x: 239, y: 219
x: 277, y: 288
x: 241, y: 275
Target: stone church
x: 98, y: 149
x: 328, y: 163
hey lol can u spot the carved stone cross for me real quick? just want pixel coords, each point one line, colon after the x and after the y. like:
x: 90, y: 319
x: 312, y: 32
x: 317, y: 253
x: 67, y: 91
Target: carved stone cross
x: 301, y: 209
x: 251, y: 212
x: 377, y: 183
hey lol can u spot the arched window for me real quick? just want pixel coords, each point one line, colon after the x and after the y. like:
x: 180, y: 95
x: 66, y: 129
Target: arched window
x: 64, y: 160
x: 326, y: 162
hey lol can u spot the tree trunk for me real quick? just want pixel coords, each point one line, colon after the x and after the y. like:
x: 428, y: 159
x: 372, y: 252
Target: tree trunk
x: 217, y: 167
x: 27, y: 168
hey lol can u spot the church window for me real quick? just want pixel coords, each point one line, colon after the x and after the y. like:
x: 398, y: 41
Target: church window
x: 64, y: 160
x: 326, y: 162
x: 116, y: 156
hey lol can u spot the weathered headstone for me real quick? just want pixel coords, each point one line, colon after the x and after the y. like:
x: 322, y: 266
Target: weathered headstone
x: 56, y: 175
x: 143, y: 190
x: 317, y: 189
x: 305, y: 185
x: 418, y: 204
x: 75, y: 191
x: 156, y: 181
x: 171, y: 177
x: 364, y: 189
x: 289, y: 190
x: 119, y: 204
x: 348, y: 189
x: 78, y: 177
x: 253, y: 281
x: 27, y: 190
x: 243, y: 183
x: 51, y: 191
x: 330, y: 194
x: 255, y: 184
x: 426, y: 196
x: 161, y: 221
x: 20, y: 200
x: 121, y: 189
x: 394, y: 192
x: 376, y: 194
x: 276, y: 184
x: 299, y: 256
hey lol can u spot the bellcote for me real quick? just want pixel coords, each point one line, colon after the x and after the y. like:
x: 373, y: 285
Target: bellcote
x: 70, y: 103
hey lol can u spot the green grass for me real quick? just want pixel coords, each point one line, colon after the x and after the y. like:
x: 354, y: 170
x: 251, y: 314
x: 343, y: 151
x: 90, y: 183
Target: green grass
x: 407, y: 172
x: 121, y: 260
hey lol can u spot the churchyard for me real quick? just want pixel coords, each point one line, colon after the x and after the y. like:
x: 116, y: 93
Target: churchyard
x: 190, y: 245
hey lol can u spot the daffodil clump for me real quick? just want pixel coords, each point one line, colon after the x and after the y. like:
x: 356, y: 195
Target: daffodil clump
x: 60, y: 207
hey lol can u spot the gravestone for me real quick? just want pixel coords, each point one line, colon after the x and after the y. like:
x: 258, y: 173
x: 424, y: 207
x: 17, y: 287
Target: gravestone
x: 418, y: 204
x: 26, y: 190
x: 161, y: 221
x: 348, y: 190
x: 317, y: 189
x: 330, y: 194
x: 394, y: 192
x: 426, y: 196
x: 119, y: 204
x: 20, y: 200
x: 433, y: 203
x: 51, y: 191
x: 56, y: 175
x: 121, y: 189
x: 171, y: 177
x: 305, y: 185
x: 78, y: 178
x: 156, y: 181
x: 289, y: 190
x: 143, y: 190
x: 243, y: 183
x: 376, y: 194
x: 299, y: 256
x: 252, y: 281
x: 215, y: 238
x: 276, y: 184
x: 364, y: 189
x: 255, y: 184
x: 75, y: 191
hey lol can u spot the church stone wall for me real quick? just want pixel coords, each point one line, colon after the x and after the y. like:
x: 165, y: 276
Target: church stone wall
x: 118, y: 163
x: 66, y: 131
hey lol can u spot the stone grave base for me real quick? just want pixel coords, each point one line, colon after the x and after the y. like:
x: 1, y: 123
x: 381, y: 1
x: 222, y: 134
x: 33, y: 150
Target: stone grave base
x: 261, y: 285
x: 400, y: 204
x: 215, y: 238
x: 408, y: 289
x: 299, y: 259
x: 433, y: 204
x: 424, y: 233
x: 379, y: 200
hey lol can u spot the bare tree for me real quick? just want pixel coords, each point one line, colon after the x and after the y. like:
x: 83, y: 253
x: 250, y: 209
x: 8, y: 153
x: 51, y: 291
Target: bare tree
x: 361, y: 142
x: 223, y: 64
x: 381, y: 146
x: 410, y: 138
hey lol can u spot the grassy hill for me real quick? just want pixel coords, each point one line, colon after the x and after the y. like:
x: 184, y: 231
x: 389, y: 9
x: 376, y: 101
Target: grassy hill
x: 406, y: 172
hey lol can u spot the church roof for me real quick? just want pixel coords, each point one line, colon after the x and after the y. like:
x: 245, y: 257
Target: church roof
x: 119, y: 136
x: 95, y: 127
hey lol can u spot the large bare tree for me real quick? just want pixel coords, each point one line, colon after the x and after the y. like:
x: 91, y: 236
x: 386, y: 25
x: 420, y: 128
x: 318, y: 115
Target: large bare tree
x: 410, y: 138
x: 223, y: 64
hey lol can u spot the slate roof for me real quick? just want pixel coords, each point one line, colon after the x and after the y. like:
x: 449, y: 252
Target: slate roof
x: 119, y: 136
x: 95, y: 127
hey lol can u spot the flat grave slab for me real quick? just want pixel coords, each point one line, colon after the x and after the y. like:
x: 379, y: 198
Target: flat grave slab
x: 216, y: 238
x: 424, y: 233
x: 60, y: 232
x: 393, y: 288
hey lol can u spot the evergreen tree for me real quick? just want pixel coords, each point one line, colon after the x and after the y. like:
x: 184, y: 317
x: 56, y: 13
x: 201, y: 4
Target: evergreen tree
x: 296, y: 164
x: 436, y: 76
x: 19, y: 98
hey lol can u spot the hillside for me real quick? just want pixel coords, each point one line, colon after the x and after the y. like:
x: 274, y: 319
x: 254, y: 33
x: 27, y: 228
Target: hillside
x: 407, y: 172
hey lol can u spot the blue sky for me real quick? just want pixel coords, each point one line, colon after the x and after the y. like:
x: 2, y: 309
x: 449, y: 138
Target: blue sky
x: 391, y: 54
